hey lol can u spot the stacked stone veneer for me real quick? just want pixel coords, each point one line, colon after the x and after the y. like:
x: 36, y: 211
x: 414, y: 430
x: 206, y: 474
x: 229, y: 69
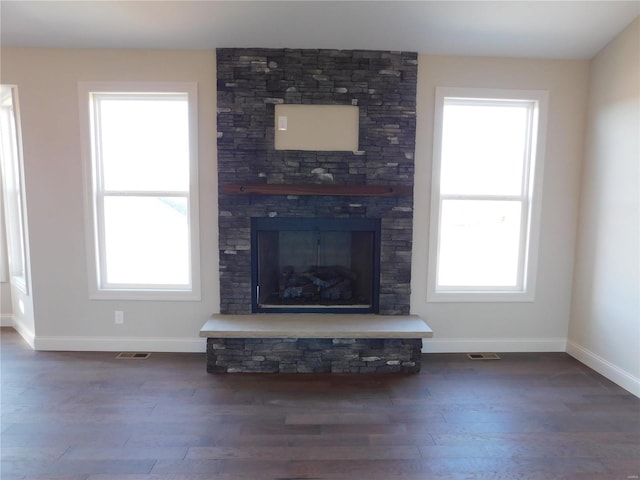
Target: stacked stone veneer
x: 313, y: 355
x: 383, y: 85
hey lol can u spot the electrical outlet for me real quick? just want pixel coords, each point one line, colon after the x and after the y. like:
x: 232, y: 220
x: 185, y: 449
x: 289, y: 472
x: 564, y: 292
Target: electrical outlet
x: 119, y: 317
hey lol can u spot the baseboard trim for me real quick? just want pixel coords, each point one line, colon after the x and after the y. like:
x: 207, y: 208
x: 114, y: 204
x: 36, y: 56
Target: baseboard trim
x: 198, y: 345
x: 469, y: 345
x: 604, y: 367
x: 431, y: 345
x: 119, y: 344
x: 6, y: 320
x: 25, y: 332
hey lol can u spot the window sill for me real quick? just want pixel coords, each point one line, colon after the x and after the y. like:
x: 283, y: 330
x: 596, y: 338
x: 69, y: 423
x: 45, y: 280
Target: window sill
x: 146, y: 295
x: 479, y: 297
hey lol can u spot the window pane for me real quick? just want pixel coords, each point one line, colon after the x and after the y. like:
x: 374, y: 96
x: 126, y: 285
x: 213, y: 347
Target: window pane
x: 13, y: 194
x: 483, y: 149
x: 479, y: 243
x: 144, y: 143
x: 146, y: 240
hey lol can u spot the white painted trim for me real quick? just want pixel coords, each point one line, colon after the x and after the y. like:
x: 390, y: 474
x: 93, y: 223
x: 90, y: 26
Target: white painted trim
x: 474, y: 345
x: 119, y: 344
x: 25, y: 332
x: 98, y: 290
x: 6, y: 320
x: 532, y: 193
x: 604, y: 367
x: 198, y: 345
x: 19, y: 268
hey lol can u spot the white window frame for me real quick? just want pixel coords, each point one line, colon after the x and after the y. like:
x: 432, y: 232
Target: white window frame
x: 4, y: 253
x: 531, y: 198
x: 98, y: 287
x: 13, y: 187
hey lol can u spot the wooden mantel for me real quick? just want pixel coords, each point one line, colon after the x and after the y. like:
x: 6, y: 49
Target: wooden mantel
x: 318, y: 189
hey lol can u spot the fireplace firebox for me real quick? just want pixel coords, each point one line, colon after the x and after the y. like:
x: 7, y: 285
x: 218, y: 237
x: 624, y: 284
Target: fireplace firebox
x: 315, y: 265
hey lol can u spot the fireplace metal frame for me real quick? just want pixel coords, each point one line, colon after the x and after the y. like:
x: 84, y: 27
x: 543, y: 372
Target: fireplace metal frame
x: 262, y: 224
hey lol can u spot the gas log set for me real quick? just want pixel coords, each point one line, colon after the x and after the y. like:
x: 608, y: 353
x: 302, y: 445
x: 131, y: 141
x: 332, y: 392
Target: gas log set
x: 316, y: 284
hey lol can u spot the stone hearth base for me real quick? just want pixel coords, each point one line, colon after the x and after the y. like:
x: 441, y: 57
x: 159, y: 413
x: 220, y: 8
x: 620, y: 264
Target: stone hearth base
x: 313, y: 355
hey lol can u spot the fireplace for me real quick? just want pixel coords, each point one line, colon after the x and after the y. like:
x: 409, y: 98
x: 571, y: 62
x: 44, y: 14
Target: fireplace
x: 315, y: 265
x: 315, y: 231
x: 372, y: 184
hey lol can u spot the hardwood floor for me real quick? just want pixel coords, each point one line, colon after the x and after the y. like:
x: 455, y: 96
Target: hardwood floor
x: 90, y: 416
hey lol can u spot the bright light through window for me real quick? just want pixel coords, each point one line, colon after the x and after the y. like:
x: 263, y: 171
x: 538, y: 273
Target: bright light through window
x: 484, y: 163
x: 142, y: 167
x: 144, y: 142
x: 146, y: 240
x: 483, y: 148
x: 479, y: 243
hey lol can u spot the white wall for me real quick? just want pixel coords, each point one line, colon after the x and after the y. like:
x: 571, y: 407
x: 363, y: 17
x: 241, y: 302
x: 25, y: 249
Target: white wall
x: 65, y: 317
x: 540, y: 325
x: 6, y: 310
x: 605, y: 316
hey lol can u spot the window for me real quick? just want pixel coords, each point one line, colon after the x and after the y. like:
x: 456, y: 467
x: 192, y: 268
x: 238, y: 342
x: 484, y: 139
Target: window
x: 487, y: 173
x: 143, y: 190
x: 4, y: 254
x: 14, y: 208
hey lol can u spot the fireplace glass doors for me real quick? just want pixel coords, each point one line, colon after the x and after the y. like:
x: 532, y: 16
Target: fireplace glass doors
x: 315, y: 265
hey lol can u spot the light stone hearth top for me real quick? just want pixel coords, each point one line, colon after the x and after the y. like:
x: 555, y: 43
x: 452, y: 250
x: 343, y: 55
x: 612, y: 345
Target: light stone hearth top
x: 321, y: 325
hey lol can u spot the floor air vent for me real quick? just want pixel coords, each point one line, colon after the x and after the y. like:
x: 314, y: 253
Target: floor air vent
x: 483, y: 356
x: 133, y: 356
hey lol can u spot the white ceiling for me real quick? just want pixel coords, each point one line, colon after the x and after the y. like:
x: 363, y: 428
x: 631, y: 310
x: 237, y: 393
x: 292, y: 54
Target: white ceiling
x: 537, y: 29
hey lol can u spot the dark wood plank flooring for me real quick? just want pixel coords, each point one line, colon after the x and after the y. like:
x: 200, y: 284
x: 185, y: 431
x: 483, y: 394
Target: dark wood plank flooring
x: 89, y: 416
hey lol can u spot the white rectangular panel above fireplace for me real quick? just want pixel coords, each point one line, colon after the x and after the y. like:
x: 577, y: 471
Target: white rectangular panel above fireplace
x: 316, y: 127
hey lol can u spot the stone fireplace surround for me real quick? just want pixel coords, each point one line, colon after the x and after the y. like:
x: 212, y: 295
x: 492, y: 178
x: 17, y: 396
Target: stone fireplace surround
x: 383, y: 85
x: 303, y: 184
